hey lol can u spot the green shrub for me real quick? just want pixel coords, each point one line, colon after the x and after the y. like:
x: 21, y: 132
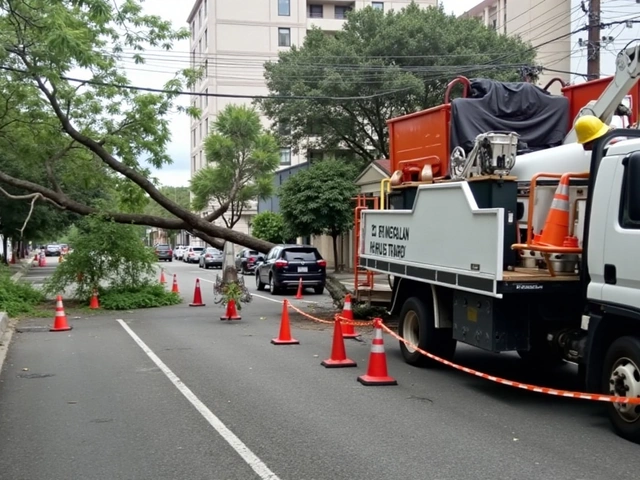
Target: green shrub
x: 17, y: 298
x: 105, y: 254
x: 142, y: 296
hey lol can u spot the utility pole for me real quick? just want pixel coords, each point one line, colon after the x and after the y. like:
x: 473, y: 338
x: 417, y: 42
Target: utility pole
x: 593, y: 46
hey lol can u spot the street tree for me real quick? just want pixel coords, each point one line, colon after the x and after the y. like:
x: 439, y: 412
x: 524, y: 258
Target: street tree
x: 102, y: 115
x: 241, y: 159
x: 412, y: 53
x: 269, y: 226
x: 62, y: 78
x: 318, y: 201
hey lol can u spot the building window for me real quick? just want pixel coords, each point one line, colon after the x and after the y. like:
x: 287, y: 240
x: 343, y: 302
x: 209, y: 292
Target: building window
x: 200, y: 128
x: 285, y: 156
x: 341, y: 12
x: 193, y: 30
x: 206, y: 38
x: 284, y: 8
x: 206, y: 127
x: 378, y: 5
x: 199, y: 19
x: 193, y: 163
x: 193, y: 137
x: 205, y: 8
x: 284, y: 37
x: 206, y: 97
x: 201, y: 162
x: 315, y: 11
x: 314, y: 156
x: 200, y: 46
x: 284, y: 128
x: 206, y: 68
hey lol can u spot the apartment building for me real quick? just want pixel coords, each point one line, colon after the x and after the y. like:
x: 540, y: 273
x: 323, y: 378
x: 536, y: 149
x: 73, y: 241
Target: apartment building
x: 233, y: 39
x: 536, y: 21
x: 542, y: 22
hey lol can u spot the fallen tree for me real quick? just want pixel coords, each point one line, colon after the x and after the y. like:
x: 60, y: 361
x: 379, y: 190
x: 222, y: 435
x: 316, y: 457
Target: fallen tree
x: 67, y: 124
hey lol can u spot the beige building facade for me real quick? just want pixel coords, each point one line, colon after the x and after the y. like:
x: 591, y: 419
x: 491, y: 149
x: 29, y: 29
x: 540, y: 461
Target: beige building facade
x: 232, y: 39
x: 538, y: 22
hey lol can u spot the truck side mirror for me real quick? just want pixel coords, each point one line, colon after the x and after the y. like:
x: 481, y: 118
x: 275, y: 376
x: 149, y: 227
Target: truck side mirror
x: 632, y: 188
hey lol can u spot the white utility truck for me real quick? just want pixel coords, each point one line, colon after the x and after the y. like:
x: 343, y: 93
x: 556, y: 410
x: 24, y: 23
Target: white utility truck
x: 537, y: 253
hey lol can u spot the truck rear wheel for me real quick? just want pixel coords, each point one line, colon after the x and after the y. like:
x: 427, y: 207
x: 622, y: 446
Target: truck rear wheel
x: 417, y: 326
x: 622, y: 378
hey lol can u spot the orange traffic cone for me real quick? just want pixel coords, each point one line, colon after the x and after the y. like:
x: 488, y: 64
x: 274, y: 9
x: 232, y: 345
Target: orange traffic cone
x: 162, y: 279
x: 60, y: 321
x: 556, y: 228
x: 377, y: 370
x: 174, y: 288
x: 284, y: 337
x: 348, y: 331
x: 299, y: 294
x: 60, y: 258
x: 197, y: 296
x: 231, y: 313
x: 338, y: 354
x: 94, y: 300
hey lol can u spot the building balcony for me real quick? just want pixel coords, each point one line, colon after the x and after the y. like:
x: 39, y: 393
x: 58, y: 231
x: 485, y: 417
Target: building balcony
x: 327, y: 24
x: 328, y: 15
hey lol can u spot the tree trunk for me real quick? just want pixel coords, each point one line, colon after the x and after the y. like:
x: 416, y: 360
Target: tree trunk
x: 336, y: 261
x: 337, y: 290
x: 5, y: 255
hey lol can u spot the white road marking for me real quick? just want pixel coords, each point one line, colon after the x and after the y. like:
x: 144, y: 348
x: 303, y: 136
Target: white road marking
x: 265, y: 298
x: 247, y: 455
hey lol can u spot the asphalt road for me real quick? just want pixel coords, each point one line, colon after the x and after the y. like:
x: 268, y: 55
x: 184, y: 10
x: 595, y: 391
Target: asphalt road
x: 175, y: 393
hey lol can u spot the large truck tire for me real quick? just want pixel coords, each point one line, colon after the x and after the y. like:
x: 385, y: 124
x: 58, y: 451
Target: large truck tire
x: 621, y: 377
x: 417, y: 325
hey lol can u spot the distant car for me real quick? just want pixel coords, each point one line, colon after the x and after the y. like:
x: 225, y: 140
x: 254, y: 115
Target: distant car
x: 285, y: 265
x: 178, y: 252
x: 52, y: 250
x: 246, y: 261
x: 210, y: 258
x: 164, y: 252
x: 192, y: 254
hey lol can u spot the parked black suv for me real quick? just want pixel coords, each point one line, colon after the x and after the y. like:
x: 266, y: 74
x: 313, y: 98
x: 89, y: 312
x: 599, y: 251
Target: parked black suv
x: 285, y: 265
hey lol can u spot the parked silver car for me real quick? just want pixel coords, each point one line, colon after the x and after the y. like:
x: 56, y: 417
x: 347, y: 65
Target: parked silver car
x: 211, y: 258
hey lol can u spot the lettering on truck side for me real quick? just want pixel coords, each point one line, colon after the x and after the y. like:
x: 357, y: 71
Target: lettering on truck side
x: 380, y: 247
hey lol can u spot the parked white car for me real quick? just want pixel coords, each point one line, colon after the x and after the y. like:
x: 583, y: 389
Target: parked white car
x: 192, y: 254
x: 178, y: 253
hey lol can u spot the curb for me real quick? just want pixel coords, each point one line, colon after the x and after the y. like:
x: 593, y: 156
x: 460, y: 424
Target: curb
x: 4, y: 323
x: 6, y: 333
x: 25, y: 268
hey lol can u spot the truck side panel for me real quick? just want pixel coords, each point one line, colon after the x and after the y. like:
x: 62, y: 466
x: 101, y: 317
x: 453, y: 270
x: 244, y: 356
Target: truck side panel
x: 445, y: 239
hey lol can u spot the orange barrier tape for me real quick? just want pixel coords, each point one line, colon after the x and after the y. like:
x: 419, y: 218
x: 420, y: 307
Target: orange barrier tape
x: 343, y: 321
x: 524, y: 386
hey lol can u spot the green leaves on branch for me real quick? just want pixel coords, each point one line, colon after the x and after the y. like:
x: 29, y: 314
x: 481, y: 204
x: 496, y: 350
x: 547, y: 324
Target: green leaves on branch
x: 318, y: 200
x: 105, y: 254
x: 269, y: 226
x: 412, y: 53
x: 241, y: 160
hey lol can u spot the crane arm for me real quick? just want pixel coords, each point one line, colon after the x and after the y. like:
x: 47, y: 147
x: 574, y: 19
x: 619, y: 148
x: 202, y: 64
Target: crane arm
x: 626, y: 76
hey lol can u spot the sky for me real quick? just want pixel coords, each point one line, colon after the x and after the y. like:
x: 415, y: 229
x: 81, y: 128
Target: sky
x: 162, y: 66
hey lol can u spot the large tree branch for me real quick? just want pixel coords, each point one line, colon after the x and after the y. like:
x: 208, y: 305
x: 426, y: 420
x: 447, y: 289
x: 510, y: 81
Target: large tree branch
x: 61, y: 201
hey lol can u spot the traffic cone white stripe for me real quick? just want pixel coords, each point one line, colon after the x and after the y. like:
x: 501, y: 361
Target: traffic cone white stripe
x: 377, y: 348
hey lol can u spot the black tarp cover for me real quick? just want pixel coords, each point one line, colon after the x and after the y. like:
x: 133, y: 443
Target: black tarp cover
x: 541, y: 119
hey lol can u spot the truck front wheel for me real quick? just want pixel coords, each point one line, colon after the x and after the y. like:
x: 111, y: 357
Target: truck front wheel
x: 417, y: 326
x: 622, y: 379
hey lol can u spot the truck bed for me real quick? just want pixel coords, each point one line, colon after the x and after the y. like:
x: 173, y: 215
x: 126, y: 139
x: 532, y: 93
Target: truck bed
x: 537, y: 275
x: 444, y: 238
